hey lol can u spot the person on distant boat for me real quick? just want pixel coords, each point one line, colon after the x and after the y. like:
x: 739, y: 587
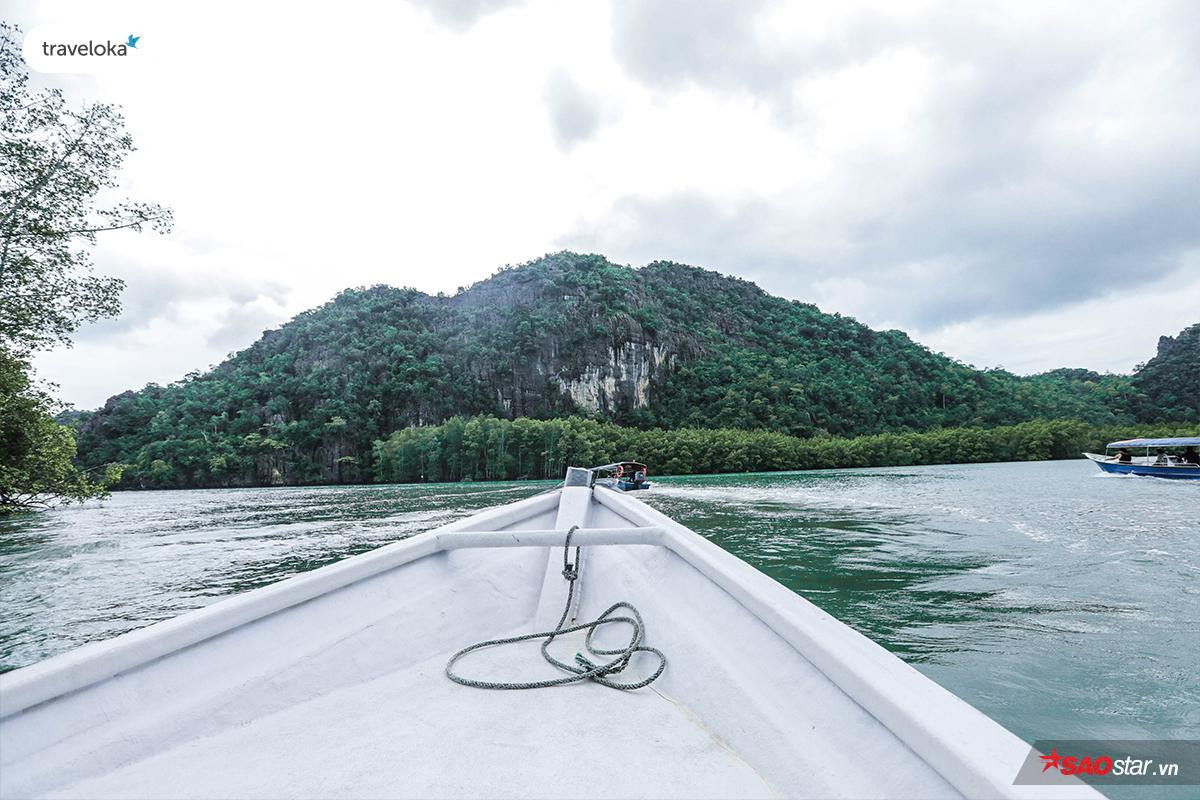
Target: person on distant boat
x: 1190, y: 456
x: 1161, y: 460
x: 1122, y: 456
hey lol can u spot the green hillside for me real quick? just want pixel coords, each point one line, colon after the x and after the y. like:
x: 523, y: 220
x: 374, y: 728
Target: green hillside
x: 1169, y: 383
x: 666, y: 345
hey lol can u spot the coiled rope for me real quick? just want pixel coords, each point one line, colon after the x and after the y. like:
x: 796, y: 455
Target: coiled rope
x: 584, y: 669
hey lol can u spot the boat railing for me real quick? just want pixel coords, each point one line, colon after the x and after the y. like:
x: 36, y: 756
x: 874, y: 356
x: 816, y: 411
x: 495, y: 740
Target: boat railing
x: 1150, y: 461
x: 583, y: 537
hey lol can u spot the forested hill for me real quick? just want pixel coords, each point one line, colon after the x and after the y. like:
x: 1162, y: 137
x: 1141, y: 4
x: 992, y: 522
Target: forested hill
x: 664, y: 345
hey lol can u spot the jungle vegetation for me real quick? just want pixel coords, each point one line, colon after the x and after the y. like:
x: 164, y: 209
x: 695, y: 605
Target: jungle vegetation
x: 488, y: 448
x: 307, y: 402
x: 1170, y: 382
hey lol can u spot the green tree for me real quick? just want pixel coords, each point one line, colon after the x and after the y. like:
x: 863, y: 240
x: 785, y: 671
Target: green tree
x: 526, y: 448
x: 1170, y: 380
x: 36, y: 469
x: 54, y: 162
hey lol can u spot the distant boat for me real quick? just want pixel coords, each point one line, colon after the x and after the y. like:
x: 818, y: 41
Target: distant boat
x: 1159, y: 464
x: 628, y: 476
x: 334, y: 683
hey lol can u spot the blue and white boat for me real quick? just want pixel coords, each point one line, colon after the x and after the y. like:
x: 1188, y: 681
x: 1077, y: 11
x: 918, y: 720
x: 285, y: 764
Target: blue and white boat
x: 1163, y: 458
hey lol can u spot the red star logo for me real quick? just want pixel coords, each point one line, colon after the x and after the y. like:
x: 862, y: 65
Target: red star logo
x: 1051, y: 760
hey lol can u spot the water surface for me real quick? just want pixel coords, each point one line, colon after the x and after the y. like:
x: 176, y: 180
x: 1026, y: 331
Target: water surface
x: 1060, y: 601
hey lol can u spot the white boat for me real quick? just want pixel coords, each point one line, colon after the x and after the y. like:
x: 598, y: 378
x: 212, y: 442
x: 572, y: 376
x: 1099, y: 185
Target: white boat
x: 333, y: 683
x: 1160, y: 464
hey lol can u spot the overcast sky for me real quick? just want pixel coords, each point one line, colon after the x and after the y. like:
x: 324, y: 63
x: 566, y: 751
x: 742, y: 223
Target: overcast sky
x: 1013, y: 184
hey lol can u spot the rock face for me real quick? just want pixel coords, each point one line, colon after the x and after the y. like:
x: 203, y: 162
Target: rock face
x: 567, y: 351
x: 612, y: 379
x: 623, y: 382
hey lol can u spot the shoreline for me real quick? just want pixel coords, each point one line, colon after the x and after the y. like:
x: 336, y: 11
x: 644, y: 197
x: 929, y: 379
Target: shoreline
x: 552, y: 482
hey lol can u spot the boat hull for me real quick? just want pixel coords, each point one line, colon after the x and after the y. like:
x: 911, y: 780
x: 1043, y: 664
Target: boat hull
x: 330, y: 684
x: 1145, y: 470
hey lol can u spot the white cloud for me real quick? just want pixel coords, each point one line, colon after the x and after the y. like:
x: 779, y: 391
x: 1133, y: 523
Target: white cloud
x: 1112, y: 333
x: 964, y: 171
x: 575, y: 112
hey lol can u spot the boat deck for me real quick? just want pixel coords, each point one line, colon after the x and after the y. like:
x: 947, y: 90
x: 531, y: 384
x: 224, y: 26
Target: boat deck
x: 413, y: 733
x: 331, y: 684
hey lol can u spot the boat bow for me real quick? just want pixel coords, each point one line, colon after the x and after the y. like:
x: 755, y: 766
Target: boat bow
x: 330, y: 683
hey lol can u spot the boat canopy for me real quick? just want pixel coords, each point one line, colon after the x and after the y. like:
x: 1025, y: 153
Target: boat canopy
x: 620, y: 468
x: 1179, y: 441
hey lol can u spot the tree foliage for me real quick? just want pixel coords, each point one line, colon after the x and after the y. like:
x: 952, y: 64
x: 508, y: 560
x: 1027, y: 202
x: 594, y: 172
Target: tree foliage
x: 1170, y: 381
x: 307, y: 402
x: 489, y: 448
x: 55, y: 161
x: 36, y: 453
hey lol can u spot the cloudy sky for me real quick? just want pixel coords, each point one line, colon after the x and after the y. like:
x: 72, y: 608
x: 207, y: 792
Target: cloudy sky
x: 1014, y: 184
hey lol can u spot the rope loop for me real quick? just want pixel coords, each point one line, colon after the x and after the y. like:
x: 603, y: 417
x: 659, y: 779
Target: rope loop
x: 584, y: 668
x: 570, y: 571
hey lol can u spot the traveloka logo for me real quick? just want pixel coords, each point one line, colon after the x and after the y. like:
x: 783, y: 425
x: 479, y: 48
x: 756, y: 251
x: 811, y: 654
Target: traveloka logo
x: 90, y: 48
x: 75, y: 49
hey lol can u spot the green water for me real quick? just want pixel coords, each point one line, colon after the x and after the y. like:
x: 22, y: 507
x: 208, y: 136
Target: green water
x: 1062, y: 602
